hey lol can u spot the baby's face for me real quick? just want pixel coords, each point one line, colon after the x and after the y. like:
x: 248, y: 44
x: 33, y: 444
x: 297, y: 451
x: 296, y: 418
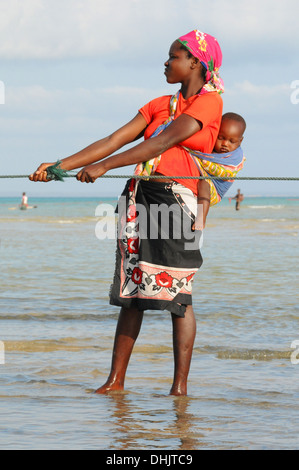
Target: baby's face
x: 229, y: 137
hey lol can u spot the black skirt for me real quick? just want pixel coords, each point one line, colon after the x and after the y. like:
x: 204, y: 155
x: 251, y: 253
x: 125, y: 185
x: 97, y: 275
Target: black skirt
x: 157, y: 252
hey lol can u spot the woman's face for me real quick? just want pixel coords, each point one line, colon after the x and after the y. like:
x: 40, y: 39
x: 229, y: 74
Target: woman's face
x: 178, y: 66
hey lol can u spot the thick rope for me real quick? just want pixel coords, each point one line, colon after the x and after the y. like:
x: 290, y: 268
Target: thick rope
x: 244, y: 178
x: 56, y: 173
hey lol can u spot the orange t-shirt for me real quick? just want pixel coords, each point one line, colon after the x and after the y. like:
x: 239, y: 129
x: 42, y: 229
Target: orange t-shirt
x: 176, y: 161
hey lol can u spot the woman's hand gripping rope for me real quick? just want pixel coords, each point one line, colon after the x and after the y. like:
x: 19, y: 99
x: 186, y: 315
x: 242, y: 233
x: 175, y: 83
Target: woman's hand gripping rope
x: 91, y: 172
x: 41, y: 173
x: 48, y: 172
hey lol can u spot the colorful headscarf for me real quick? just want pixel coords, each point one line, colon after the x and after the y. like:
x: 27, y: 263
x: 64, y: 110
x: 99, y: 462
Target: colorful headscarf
x: 207, y: 50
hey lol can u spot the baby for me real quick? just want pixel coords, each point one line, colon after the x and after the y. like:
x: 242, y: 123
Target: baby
x: 229, y: 138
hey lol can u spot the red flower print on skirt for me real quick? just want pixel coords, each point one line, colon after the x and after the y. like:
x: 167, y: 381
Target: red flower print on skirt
x: 190, y: 277
x: 133, y: 245
x: 164, y: 279
x: 132, y: 185
x: 137, y: 276
x: 132, y: 213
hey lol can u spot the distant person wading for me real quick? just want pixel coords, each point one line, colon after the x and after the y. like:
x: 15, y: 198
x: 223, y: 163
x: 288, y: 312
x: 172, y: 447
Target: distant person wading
x: 239, y: 197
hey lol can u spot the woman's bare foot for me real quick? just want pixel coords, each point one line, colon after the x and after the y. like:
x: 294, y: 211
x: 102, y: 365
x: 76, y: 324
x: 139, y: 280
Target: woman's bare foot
x: 178, y: 390
x: 184, y: 331
x: 110, y: 386
x: 128, y: 327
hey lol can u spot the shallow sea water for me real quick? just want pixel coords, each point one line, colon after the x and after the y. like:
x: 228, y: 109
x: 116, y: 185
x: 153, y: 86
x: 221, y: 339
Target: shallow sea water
x: 57, y: 330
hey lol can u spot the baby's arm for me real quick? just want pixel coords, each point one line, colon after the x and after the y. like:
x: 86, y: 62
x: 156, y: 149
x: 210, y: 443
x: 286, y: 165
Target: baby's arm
x: 203, y: 199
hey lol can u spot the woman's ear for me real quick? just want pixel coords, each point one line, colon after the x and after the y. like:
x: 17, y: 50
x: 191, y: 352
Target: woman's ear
x: 194, y: 62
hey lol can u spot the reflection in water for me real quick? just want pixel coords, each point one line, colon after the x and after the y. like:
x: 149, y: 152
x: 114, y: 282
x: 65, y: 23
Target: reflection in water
x: 122, y: 416
x: 139, y: 428
x: 185, y: 425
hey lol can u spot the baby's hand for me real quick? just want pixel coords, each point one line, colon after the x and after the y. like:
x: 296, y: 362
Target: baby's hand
x: 198, y: 225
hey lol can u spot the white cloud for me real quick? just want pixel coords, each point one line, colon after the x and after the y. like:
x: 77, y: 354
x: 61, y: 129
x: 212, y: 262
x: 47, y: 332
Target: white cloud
x: 56, y: 29
x: 120, y: 103
x: 36, y: 99
x: 75, y: 115
x: 57, y: 105
x: 252, y: 90
x: 70, y: 28
x: 257, y: 20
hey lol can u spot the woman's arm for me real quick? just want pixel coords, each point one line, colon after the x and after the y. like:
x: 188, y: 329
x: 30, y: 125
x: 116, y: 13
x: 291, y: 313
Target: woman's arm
x: 179, y: 130
x: 98, y: 150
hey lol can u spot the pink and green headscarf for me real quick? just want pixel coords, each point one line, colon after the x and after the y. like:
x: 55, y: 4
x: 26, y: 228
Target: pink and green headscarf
x: 207, y: 50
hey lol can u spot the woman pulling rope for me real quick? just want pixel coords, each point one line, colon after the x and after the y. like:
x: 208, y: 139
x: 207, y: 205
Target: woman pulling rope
x: 156, y: 272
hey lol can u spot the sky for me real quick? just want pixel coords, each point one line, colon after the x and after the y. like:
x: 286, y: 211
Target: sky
x: 73, y: 71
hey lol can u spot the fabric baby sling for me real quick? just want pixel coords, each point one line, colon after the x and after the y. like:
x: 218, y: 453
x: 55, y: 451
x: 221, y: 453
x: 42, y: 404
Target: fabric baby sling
x: 224, y: 165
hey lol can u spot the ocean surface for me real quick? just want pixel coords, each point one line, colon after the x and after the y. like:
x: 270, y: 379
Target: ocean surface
x: 57, y: 330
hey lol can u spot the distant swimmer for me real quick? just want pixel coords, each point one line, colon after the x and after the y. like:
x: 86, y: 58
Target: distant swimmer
x: 24, y: 202
x: 239, y: 197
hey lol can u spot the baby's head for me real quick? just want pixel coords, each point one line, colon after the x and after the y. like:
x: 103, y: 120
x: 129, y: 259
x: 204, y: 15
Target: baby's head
x: 230, y: 133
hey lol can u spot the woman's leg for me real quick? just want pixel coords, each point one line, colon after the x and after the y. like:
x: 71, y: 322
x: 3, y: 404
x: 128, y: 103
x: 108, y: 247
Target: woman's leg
x: 184, y: 332
x: 128, y: 327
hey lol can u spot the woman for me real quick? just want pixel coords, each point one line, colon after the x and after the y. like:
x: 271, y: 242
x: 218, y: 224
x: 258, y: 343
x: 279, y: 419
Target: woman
x: 156, y: 273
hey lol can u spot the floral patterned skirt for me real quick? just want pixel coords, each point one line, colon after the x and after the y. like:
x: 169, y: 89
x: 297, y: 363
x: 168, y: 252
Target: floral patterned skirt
x: 157, y: 252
